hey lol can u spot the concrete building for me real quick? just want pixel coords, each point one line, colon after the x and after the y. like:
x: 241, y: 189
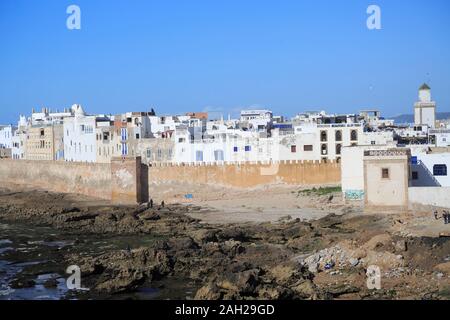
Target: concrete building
x: 79, y: 136
x: 259, y: 120
x: 44, y: 142
x: 6, y: 136
x: 430, y: 167
x: 46, y: 116
x: 440, y: 137
x: 19, y: 139
x: 386, y: 178
x: 425, y: 108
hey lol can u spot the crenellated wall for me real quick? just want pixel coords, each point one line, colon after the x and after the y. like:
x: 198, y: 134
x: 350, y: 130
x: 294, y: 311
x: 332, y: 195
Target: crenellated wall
x: 127, y: 180
x: 246, y: 175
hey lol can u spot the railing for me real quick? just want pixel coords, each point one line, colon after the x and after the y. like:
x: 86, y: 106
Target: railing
x: 386, y: 153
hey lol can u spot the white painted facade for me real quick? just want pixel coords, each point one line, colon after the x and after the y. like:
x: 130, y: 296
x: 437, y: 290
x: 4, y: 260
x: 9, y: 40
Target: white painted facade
x: 308, y: 142
x: 258, y: 120
x: 6, y: 136
x: 432, y: 169
x: 80, y: 137
x: 441, y: 137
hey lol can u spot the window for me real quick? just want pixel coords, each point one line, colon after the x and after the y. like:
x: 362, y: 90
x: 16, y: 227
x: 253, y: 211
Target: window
x: 307, y: 147
x: 339, y: 135
x: 415, y: 175
x: 372, y: 142
x: 137, y: 135
x: 235, y: 149
x: 385, y: 173
x: 323, y: 136
x: 338, y: 148
x: 149, y: 153
x: 440, y: 170
x: 354, y: 135
x: 199, y: 155
x: 218, y: 155
x: 247, y: 148
x: 324, y: 149
x: 293, y: 149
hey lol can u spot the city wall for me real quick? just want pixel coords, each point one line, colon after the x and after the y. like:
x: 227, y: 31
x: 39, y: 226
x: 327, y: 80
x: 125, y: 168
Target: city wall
x: 58, y: 176
x: 247, y: 175
x: 127, y: 181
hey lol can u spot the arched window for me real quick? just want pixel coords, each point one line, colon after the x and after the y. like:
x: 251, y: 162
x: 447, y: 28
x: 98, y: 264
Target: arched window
x: 323, y: 136
x: 324, y: 149
x: 339, y: 135
x: 338, y: 148
x: 354, y: 135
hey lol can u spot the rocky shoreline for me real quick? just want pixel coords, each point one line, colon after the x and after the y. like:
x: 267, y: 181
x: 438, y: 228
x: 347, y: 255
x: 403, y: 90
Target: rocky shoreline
x: 290, y: 259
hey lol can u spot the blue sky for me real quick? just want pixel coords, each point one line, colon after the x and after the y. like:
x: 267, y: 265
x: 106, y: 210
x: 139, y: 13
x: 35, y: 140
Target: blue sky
x: 217, y: 55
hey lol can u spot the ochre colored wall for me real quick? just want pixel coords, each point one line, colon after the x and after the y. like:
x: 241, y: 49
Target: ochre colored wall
x: 249, y: 175
x: 127, y: 185
x: 94, y: 179
x: 67, y: 177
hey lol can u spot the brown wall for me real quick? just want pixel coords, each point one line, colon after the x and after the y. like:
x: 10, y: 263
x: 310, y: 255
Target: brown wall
x: 125, y: 181
x: 68, y: 177
x: 128, y: 184
x: 249, y: 175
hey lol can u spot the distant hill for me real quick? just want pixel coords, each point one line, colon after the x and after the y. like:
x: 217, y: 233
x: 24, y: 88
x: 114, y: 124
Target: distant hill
x: 409, y: 118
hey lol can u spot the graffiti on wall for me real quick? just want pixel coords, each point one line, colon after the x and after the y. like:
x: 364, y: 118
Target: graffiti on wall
x: 354, y: 194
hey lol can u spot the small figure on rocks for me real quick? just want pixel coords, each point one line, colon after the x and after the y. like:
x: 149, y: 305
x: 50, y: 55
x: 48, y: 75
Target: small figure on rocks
x: 163, y: 204
x: 436, y: 217
x: 151, y: 203
x: 128, y: 248
x: 446, y: 216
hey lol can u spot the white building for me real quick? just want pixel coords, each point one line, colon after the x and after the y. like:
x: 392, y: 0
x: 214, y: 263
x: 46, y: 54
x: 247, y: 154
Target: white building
x: 440, y: 137
x: 19, y: 139
x: 258, y: 120
x: 425, y: 108
x: 46, y: 116
x: 6, y: 136
x: 79, y: 136
x: 430, y: 167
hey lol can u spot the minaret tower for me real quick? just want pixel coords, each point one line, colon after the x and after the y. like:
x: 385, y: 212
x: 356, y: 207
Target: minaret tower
x: 425, y: 108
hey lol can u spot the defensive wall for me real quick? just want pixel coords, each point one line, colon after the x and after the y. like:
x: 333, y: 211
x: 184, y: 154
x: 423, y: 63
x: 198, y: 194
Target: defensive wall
x: 126, y: 180
x: 248, y: 174
x: 119, y: 181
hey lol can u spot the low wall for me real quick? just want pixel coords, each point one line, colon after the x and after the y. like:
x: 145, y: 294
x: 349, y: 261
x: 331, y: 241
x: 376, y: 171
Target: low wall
x: 249, y: 174
x: 67, y: 177
x: 431, y: 196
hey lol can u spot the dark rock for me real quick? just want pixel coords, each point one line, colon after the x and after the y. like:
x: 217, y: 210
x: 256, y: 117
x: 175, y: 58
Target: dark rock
x: 51, y: 283
x: 22, y: 283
